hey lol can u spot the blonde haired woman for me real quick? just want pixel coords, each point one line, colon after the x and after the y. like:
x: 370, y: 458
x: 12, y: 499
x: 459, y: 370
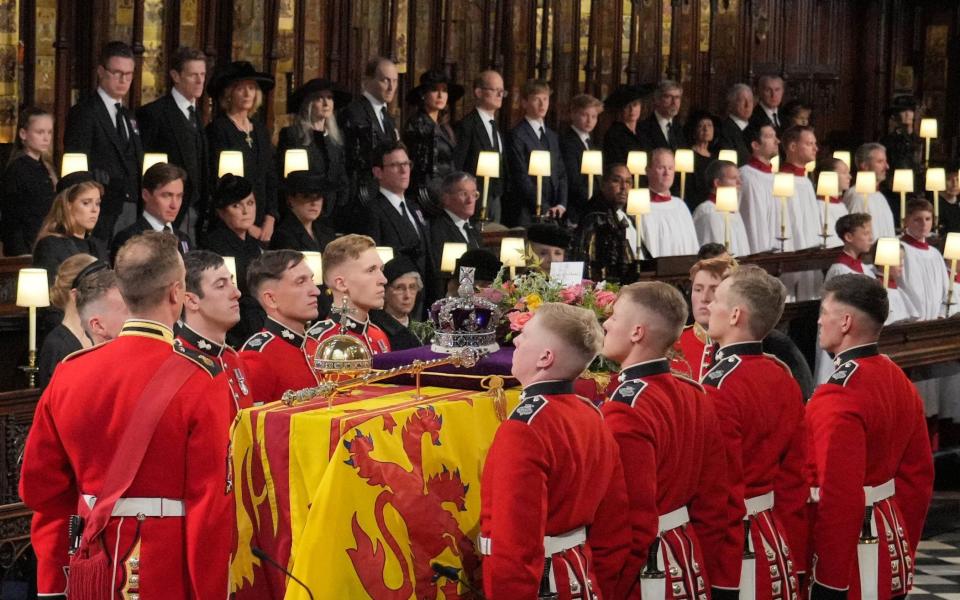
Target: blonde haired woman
x: 66, y: 229
x: 68, y: 336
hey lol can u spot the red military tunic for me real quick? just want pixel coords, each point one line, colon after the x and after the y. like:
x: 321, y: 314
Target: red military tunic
x: 760, y: 407
x: 76, y: 430
x: 227, y: 360
x: 668, y: 435
x: 371, y: 335
x: 867, y: 427
x: 553, y: 468
x: 277, y: 360
x: 694, y: 352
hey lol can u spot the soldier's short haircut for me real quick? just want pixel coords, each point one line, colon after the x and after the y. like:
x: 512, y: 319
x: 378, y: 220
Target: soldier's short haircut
x: 577, y: 328
x: 345, y: 248
x: 851, y: 222
x: 763, y: 296
x: 146, y: 265
x: 92, y: 288
x: 863, y: 152
x: 270, y: 266
x: 918, y: 205
x: 161, y: 174
x: 665, y: 304
x: 196, y: 262
x: 864, y: 294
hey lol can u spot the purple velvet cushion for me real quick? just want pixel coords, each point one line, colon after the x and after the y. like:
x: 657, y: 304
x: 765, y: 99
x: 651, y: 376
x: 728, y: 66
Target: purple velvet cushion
x: 497, y: 363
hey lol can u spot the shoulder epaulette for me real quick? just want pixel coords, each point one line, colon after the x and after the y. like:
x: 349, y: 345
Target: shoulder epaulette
x: 842, y: 375
x: 777, y: 360
x: 77, y: 353
x: 528, y: 409
x: 198, y: 358
x: 687, y: 380
x: 719, y: 372
x: 628, y: 391
x: 320, y: 327
x: 258, y: 341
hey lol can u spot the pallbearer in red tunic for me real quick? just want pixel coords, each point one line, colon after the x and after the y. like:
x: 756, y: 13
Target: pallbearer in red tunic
x: 171, y: 532
x: 353, y: 272
x: 668, y: 435
x: 211, y: 307
x: 693, y: 352
x: 760, y: 407
x: 869, y: 449
x: 280, y: 357
x: 553, y: 514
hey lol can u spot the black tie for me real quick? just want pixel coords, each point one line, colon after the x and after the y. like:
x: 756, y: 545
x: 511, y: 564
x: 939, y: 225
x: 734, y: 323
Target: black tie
x: 587, y: 143
x: 168, y: 229
x: 494, y: 136
x: 385, y: 118
x: 121, y: 129
x: 776, y: 121
x: 672, y: 135
x: 192, y: 112
x: 542, y: 133
x: 406, y: 215
x: 468, y: 232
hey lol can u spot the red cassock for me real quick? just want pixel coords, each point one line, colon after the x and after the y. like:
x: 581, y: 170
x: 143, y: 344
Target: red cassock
x: 553, y: 515
x: 871, y: 455
x: 371, y: 335
x: 760, y: 407
x: 668, y: 435
x: 694, y: 352
x: 226, y: 362
x: 277, y: 360
x: 76, y: 430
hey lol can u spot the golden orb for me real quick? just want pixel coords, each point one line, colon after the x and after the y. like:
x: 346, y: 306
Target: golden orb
x: 341, y: 357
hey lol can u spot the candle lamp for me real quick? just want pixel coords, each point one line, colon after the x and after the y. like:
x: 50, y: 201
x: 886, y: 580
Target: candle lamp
x: 783, y: 189
x: 231, y: 264
x: 73, y: 162
x: 591, y: 164
x: 488, y: 165
x: 230, y: 161
x: 32, y: 293
x: 386, y: 253
x: 866, y: 185
x: 152, y: 158
x: 936, y: 182
x: 683, y: 160
x: 295, y: 159
x: 513, y: 254
x: 951, y: 252
x: 903, y: 183
x: 539, y: 167
x: 928, y: 131
x: 638, y: 204
x: 828, y: 185
x: 844, y: 156
x: 314, y: 260
x: 637, y: 165
x: 887, y: 255
x: 728, y: 155
x: 727, y: 204
x: 452, y: 251
x: 775, y: 164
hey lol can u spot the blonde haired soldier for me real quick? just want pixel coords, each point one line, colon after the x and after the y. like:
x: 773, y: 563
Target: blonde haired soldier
x: 553, y: 503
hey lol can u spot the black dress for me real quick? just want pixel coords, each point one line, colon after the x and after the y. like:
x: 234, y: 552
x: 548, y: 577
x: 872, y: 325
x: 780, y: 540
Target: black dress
x: 431, y: 149
x: 27, y: 194
x: 291, y: 235
x: 51, y: 251
x: 58, y: 344
x: 225, y: 242
x: 325, y: 158
x: 258, y: 161
x: 949, y: 215
x: 400, y: 336
x: 698, y: 188
x: 619, y: 141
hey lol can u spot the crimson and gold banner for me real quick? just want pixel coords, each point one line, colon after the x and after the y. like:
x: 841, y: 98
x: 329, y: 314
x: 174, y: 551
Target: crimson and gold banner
x: 360, y: 498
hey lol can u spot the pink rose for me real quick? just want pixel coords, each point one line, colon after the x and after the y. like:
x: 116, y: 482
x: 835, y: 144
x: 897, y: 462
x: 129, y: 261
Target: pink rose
x: 605, y: 298
x: 493, y: 295
x: 518, y: 319
x: 571, y: 294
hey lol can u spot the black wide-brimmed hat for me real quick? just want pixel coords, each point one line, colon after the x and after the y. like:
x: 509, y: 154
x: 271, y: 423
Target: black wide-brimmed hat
x: 549, y: 234
x: 625, y: 94
x: 308, y: 183
x: 429, y: 80
x: 340, y: 97
x: 230, y: 190
x: 75, y: 178
x: 398, y: 267
x: 240, y: 70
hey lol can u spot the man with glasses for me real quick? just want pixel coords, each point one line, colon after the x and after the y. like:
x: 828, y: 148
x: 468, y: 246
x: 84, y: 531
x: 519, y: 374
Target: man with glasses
x: 100, y: 127
x: 459, y: 198
x: 478, y: 132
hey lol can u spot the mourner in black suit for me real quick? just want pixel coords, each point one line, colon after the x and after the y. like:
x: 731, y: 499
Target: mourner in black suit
x: 100, y: 127
x: 366, y: 121
x: 767, y: 110
x: 623, y: 136
x: 458, y: 197
x: 428, y: 136
x: 300, y: 227
x: 584, y: 110
x: 315, y: 129
x: 478, y: 132
x: 239, y: 90
x: 662, y: 129
x: 171, y: 125
x: 730, y: 134
x: 163, y: 186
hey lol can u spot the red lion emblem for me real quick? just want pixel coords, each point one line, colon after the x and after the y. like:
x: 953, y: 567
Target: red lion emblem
x: 431, y: 527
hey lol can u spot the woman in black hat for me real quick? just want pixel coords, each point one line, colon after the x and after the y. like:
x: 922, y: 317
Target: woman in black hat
x: 399, y: 299
x: 301, y: 227
x: 701, y: 129
x: 626, y: 104
x: 238, y: 89
x: 315, y: 130
x: 429, y: 137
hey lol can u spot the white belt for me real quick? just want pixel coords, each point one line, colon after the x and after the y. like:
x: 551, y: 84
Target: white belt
x: 758, y: 504
x: 871, y: 495
x: 148, y: 507
x: 552, y: 544
x: 674, y: 519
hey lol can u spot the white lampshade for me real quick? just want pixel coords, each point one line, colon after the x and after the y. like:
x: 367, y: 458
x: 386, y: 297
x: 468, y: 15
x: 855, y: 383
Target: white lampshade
x: 539, y: 163
x: 684, y: 160
x: 951, y: 249
x: 231, y: 264
x: 638, y: 201
x: 32, y: 288
x: 810, y: 167
x: 636, y: 162
x: 231, y: 161
x: 513, y: 251
x: 727, y: 198
x: 73, y: 162
x: 928, y: 128
x: 866, y: 182
x: 591, y: 163
x: 314, y: 260
x: 452, y: 251
x: 828, y: 184
x: 844, y: 156
x: 295, y: 159
x: 903, y: 180
x: 775, y: 164
x: 728, y: 155
x: 888, y: 252
x: 488, y: 164
x: 152, y: 158
x: 386, y: 253
x: 936, y: 179
x: 783, y: 185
